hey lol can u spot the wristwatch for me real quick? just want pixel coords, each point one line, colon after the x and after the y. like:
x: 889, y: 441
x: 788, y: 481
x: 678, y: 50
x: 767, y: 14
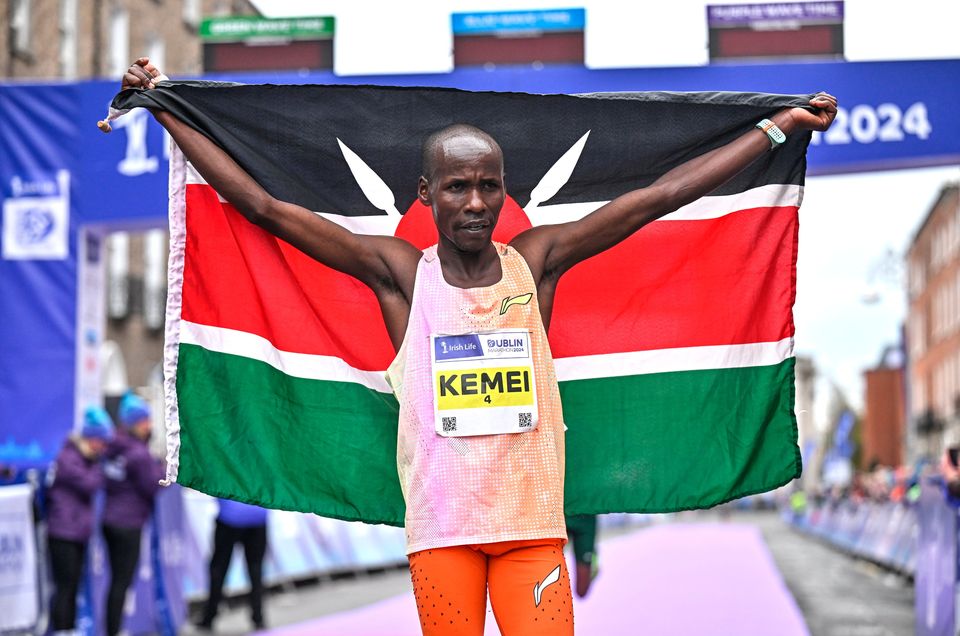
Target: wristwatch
x: 773, y: 132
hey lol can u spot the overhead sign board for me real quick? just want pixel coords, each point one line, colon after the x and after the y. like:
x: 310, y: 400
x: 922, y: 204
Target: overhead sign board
x: 757, y: 14
x: 239, y: 28
x: 513, y: 21
x: 775, y: 30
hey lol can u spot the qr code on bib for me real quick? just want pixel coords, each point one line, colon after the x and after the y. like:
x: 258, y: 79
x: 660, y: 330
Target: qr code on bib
x: 526, y: 419
x: 449, y: 424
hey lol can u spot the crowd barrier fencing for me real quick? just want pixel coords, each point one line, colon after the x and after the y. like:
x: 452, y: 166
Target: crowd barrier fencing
x: 21, y: 605
x: 882, y: 532
x: 918, y: 539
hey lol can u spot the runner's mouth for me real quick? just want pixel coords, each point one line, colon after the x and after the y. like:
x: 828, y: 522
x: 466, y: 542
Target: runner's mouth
x: 475, y: 226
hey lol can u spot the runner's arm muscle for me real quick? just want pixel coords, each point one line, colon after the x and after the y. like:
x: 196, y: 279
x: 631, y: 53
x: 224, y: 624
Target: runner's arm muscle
x: 550, y: 250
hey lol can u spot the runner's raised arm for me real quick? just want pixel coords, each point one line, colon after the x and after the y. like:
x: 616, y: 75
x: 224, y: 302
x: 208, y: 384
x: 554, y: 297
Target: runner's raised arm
x: 553, y: 249
x: 384, y: 263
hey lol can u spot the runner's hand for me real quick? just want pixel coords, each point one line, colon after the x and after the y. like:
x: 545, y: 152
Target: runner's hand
x: 141, y: 74
x: 819, y: 119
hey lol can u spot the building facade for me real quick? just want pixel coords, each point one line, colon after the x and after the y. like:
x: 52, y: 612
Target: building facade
x: 74, y: 39
x: 68, y: 40
x: 933, y: 328
x: 882, y: 435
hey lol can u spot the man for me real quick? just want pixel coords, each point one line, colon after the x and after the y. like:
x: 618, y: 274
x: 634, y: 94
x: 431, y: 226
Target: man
x: 484, y: 496
x: 237, y: 522
x: 582, y: 534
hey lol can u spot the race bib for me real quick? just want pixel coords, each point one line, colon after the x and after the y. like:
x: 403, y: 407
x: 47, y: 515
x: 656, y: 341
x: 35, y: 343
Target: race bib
x: 483, y: 383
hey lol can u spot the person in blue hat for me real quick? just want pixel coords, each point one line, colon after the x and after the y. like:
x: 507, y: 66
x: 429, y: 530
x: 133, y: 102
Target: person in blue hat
x: 132, y: 479
x: 74, y: 478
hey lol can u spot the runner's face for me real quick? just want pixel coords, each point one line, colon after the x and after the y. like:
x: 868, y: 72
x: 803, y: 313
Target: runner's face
x: 465, y: 193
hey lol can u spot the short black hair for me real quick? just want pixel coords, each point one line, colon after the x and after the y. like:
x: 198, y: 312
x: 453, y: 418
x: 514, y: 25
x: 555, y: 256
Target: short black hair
x: 434, y: 141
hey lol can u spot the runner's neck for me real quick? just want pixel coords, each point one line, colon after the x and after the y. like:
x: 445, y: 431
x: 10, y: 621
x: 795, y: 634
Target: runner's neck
x: 468, y: 270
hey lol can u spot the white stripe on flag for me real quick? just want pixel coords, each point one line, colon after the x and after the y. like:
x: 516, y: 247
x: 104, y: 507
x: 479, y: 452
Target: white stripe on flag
x: 773, y: 195
x: 330, y: 368
x: 374, y: 225
x: 711, y: 207
x: 299, y: 365
x: 678, y: 359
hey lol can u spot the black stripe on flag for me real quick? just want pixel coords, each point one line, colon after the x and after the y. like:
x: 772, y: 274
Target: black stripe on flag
x: 286, y: 135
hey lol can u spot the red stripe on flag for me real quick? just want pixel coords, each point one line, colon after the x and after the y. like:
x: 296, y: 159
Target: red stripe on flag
x: 729, y: 280
x: 674, y: 284
x: 240, y: 277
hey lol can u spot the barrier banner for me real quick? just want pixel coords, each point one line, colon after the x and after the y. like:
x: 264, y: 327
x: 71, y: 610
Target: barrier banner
x: 19, y: 602
x: 155, y: 603
x: 936, y: 572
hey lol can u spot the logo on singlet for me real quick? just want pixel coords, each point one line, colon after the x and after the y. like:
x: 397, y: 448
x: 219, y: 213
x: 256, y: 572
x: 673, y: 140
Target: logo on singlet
x: 552, y: 578
x: 510, y: 301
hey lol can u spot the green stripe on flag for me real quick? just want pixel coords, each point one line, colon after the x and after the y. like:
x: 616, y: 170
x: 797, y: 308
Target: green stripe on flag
x: 237, y: 444
x: 286, y: 442
x: 698, y: 439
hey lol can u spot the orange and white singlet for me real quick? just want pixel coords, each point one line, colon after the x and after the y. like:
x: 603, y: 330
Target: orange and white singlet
x: 480, y: 446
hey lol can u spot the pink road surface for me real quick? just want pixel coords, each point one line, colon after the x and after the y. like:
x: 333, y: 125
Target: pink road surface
x: 679, y: 579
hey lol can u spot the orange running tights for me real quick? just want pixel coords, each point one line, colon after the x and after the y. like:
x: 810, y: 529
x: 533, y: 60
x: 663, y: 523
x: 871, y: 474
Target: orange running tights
x: 528, y: 582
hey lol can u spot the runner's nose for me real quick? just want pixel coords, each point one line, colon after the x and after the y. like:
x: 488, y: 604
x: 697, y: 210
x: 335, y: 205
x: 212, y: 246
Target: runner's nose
x: 475, y: 202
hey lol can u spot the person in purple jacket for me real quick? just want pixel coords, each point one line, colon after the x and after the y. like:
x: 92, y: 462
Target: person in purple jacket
x: 132, y: 479
x: 245, y: 524
x: 74, y: 479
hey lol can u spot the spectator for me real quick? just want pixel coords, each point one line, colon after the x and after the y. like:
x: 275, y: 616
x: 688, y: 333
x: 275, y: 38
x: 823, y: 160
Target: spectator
x: 132, y: 478
x: 74, y: 479
x: 582, y: 533
x: 950, y: 472
x: 245, y: 524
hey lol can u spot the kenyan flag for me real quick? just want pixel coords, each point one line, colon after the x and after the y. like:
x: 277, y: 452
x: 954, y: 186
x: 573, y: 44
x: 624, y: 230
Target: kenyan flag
x: 674, y: 349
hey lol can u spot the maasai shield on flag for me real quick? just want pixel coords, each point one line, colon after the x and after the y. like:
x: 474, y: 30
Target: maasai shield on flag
x: 674, y: 349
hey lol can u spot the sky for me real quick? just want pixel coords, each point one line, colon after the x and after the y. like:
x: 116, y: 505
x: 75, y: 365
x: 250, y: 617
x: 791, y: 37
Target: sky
x: 848, y: 224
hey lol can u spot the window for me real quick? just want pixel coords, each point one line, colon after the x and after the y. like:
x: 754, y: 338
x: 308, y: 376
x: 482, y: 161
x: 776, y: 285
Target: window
x: 154, y: 278
x: 916, y: 276
x: 917, y: 335
x: 119, y: 42
x: 20, y: 27
x: 68, y: 38
x: 156, y: 51
x: 919, y: 402
x: 118, y: 268
x: 191, y: 13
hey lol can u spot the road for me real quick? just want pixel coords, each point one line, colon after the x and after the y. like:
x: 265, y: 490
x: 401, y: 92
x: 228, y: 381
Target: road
x: 836, y: 594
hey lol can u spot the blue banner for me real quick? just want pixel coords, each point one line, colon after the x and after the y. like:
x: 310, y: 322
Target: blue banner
x: 39, y: 164
x: 936, y: 573
x: 59, y: 173
x: 155, y: 601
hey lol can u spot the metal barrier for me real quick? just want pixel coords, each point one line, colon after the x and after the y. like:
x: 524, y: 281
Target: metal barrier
x: 882, y: 532
x: 917, y: 539
x: 22, y: 590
